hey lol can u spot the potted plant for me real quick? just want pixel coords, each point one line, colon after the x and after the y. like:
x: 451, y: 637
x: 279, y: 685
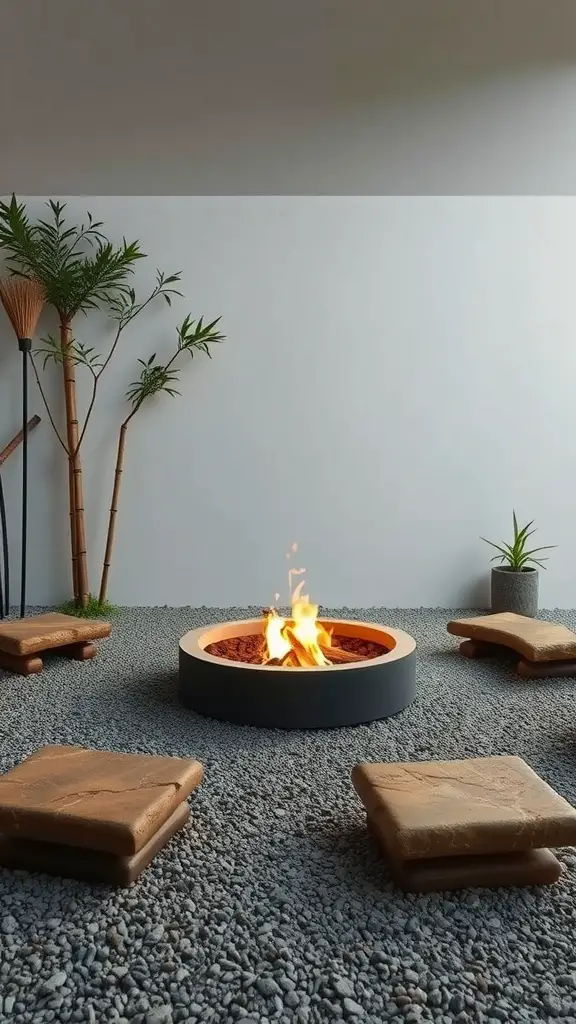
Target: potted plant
x: 514, y: 584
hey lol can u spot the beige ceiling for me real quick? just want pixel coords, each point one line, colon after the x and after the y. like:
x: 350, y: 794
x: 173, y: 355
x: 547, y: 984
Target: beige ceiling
x: 143, y: 97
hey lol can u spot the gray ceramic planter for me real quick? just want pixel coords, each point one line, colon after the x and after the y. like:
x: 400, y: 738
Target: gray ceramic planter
x: 514, y: 591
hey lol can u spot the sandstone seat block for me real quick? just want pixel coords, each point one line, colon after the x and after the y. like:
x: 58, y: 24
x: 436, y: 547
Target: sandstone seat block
x: 482, y: 649
x: 89, y: 865
x: 546, y: 669
x: 45, y: 632
x: 480, y: 806
x: 94, y: 799
x: 532, y: 638
x: 437, y: 874
x: 22, y: 665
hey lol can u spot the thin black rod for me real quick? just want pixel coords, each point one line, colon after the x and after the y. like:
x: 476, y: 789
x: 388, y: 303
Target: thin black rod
x: 5, y: 555
x: 1, y: 594
x: 25, y: 346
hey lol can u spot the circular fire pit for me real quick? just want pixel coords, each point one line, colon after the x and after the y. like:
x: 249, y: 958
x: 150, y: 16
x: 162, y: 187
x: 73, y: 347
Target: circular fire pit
x: 276, y: 696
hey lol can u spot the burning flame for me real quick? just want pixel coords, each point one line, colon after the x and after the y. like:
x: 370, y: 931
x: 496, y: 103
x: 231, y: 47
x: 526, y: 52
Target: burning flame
x: 298, y: 641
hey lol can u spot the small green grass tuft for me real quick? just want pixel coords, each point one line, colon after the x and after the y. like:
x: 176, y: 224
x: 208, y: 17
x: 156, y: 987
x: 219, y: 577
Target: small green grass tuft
x: 93, y: 610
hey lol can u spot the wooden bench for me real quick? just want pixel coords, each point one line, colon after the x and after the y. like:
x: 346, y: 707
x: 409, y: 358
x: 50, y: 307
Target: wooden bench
x: 547, y: 649
x: 23, y: 641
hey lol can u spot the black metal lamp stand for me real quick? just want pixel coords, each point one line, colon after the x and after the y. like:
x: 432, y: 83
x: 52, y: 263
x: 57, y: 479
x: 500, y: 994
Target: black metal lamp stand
x: 25, y: 346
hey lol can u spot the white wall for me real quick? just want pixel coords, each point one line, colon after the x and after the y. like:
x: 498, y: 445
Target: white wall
x: 398, y: 373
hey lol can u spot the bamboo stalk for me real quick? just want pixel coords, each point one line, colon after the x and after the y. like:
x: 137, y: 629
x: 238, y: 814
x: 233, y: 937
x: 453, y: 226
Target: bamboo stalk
x: 73, y: 541
x: 113, y: 510
x: 17, y: 439
x: 69, y: 383
x: 75, y: 489
x: 81, y: 553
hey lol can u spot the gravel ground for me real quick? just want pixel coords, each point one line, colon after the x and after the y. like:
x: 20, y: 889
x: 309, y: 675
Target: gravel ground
x: 272, y: 904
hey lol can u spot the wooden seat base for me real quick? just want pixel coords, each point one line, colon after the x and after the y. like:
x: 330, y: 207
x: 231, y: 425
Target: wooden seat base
x: 89, y: 865
x: 534, y: 640
x: 525, y: 668
x: 441, y: 874
x: 29, y: 664
x: 24, y: 642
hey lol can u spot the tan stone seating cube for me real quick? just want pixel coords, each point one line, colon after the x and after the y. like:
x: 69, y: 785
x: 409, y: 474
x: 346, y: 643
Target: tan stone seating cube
x: 533, y: 867
x: 547, y: 648
x: 22, y: 641
x: 91, y: 813
x: 448, y: 824
x: 89, y: 865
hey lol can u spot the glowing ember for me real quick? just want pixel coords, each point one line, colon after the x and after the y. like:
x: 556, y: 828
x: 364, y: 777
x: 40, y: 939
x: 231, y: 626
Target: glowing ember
x: 300, y: 641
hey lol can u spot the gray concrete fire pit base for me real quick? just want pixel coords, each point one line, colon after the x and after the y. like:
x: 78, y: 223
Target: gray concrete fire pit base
x: 297, y: 698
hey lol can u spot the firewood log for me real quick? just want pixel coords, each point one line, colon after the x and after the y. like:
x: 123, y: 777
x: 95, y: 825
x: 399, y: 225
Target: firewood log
x: 339, y: 657
x: 305, y: 659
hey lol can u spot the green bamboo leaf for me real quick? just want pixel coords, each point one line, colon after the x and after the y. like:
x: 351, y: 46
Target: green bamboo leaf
x: 517, y: 554
x: 510, y: 550
x: 524, y: 530
x: 515, y: 523
x: 545, y: 547
x: 499, y: 547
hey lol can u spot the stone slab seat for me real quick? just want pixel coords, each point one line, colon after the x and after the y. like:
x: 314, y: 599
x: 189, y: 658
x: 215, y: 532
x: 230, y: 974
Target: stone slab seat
x: 482, y: 821
x: 94, y: 799
x: 535, y: 640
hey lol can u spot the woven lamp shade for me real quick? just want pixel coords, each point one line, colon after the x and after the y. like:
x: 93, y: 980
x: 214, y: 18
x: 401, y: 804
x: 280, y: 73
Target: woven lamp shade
x: 23, y: 300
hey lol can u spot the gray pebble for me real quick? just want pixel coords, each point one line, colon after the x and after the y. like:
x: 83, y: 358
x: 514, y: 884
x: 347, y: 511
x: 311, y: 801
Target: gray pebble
x: 456, y: 1004
x: 414, y: 1015
x: 552, y: 1005
x: 56, y: 981
x: 159, y: 1015
x: 353, y: 1008
x: 498, y: 1013
x: 267, y: 986
x: 239, y: 919
x: 411, y: 977
x: 344, y: 987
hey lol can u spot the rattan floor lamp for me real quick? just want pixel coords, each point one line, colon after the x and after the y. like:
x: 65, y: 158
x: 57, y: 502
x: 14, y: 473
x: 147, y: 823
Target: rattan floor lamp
x: 23, y: 301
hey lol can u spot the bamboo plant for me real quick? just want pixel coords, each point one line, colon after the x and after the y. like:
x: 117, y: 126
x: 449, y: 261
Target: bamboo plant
x: 154, y: 379
x: 81, y: 270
